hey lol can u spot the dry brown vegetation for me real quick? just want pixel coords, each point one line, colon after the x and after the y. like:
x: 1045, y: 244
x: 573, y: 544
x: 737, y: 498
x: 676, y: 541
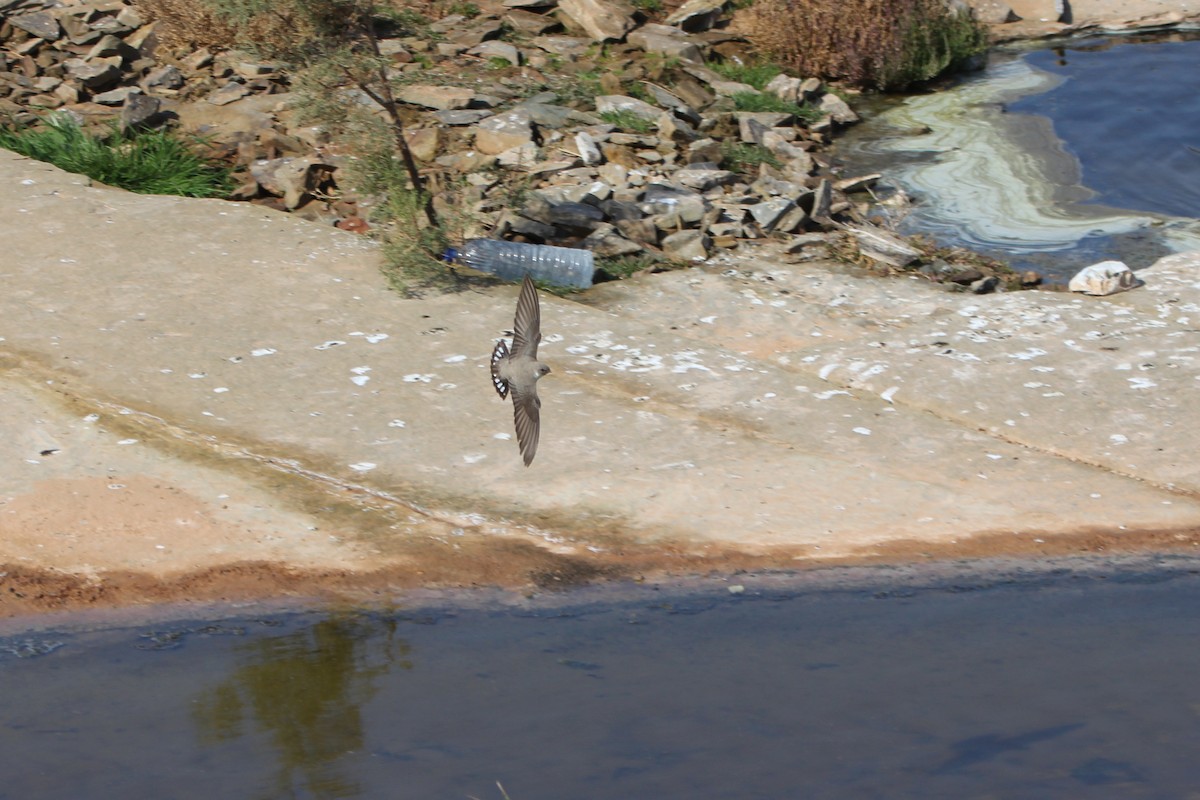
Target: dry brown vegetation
x: 879, y: 44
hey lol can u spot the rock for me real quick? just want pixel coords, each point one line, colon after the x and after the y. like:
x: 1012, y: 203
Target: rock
x: 576, y: 216
x: 638, y: 230
x: 620, y: 102
x: 857, y: 184
x: 703, y: 179
x: 666, y: 41
x: 228, y: 93
x: 139, y: 111
x: 838, y: 109
x: 293, y: 179
x: 822, y: 199
x: 41, y: 24
x: 168, y: 77
x: 496, y: 49
x: 965, y: 277
x: 114, y: 97
x: 462, y: 116
x: 96, y: 76
x: 697, y: 15
x: 605, y: 241
x: 883, y: 246
x: 785, y: 88
x: 768, y: 213
x: 442, y: 98
x: 523, y: 156
x: 985, y: 285
x: 993, y: 12
x: 752, y: 124
x: 585, y: 145
x: 528, y: 23
x: 602, y: 20
x: 502, y: 132
x: 687, y: 245
x: 566, y: 46
x: 423, y: 143
x: 1104, y: 278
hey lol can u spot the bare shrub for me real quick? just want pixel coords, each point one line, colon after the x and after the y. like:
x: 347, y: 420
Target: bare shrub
x: 879, y: 44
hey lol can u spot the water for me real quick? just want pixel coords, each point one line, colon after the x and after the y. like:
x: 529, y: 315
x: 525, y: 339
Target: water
x: 1072, y: 682
x: 1054, y: 158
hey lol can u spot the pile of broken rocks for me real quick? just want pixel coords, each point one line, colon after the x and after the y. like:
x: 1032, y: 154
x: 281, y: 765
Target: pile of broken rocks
x: 493, y: 101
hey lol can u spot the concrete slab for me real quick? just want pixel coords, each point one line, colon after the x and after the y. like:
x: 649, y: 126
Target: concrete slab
x: 749, y: 412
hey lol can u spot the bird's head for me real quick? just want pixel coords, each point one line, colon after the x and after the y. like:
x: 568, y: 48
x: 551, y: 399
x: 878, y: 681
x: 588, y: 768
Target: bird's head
x: 543, y: 370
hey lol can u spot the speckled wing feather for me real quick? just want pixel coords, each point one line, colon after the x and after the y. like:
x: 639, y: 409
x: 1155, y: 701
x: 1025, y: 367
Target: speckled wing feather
x: 527, y: 327
x: 499, y: 353
x: 527, y: 416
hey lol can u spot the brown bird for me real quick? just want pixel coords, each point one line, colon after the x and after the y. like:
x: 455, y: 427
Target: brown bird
x: 518, y: 370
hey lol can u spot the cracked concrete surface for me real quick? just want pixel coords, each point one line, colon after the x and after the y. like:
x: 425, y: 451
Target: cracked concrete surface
x: 193, y: 386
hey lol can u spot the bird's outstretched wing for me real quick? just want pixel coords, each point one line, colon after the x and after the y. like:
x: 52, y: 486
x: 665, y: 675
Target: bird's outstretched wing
x: 527, y: 416
x: 499, y: 353
x: 527, y: 326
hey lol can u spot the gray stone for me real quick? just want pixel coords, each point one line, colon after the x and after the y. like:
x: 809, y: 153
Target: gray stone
x: 528, y: 23
x: 703, y: 179
x: 697, y: 15
x: 568, y: 46
x: 167, y: 77
x: 638, y: 230
x: 785, y: 88
x: 587, y: 149
x: 620, y: 102
x: 96, y: 76
x: 605, y: 241
x: 602, y: 20
x: 139, y: 111
x: 109, y: 45
x: 40, y: 23
x: 668, y: 100
x: 293, y: 179
x: 228, y: 93
x: 687, y: 245
x: 524, y: 156
x: 461, y: 116
x: 441, y: 98
x: 726, y: 88
x: 767, y: 213
x: 576, y: 216
x: 502, y: 132
x: 497, y: 49
x: 666, y: 41
x: 822, y: 198
x: 752, y: 124
x: 882, y: 246
x: 838, y: 109
x: 114, y: 97
x: 547, y: 115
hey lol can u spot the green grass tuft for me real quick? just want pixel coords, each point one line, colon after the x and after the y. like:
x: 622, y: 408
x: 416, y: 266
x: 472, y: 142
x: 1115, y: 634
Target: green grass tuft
x: 749, y: 101
x: 151, y: 162
x: 758, y: 74
x: 745, y: 158
x: 628, y: 121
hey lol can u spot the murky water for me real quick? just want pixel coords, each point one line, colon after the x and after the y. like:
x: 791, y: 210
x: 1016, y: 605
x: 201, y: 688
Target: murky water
x: 1071, y: 683
x: 1053, y: 158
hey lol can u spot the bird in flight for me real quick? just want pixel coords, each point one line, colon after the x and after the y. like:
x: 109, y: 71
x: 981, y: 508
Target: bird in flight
x: 517, y: 370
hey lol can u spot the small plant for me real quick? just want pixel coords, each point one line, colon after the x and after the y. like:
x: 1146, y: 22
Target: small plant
x: 757, y: 74
x: 648, y: 6
x: 149, y: 162
x: 468, y: 10
x: 752, y: 101
x: 744, y: 157
x: 627, y: 121
x: 498, y: 62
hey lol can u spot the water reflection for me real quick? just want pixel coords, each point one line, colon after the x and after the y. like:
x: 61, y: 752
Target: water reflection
x: 305, y: 691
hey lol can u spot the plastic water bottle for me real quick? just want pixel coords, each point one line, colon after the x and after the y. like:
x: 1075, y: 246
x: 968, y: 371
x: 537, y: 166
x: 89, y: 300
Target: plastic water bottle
x: 560, y: 266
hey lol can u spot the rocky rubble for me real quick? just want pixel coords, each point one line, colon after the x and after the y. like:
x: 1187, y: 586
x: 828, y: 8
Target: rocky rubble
x: 657, y: 162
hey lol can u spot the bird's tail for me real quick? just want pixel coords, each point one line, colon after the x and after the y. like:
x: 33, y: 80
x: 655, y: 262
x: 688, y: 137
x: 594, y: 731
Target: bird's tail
x: 501, y: 352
